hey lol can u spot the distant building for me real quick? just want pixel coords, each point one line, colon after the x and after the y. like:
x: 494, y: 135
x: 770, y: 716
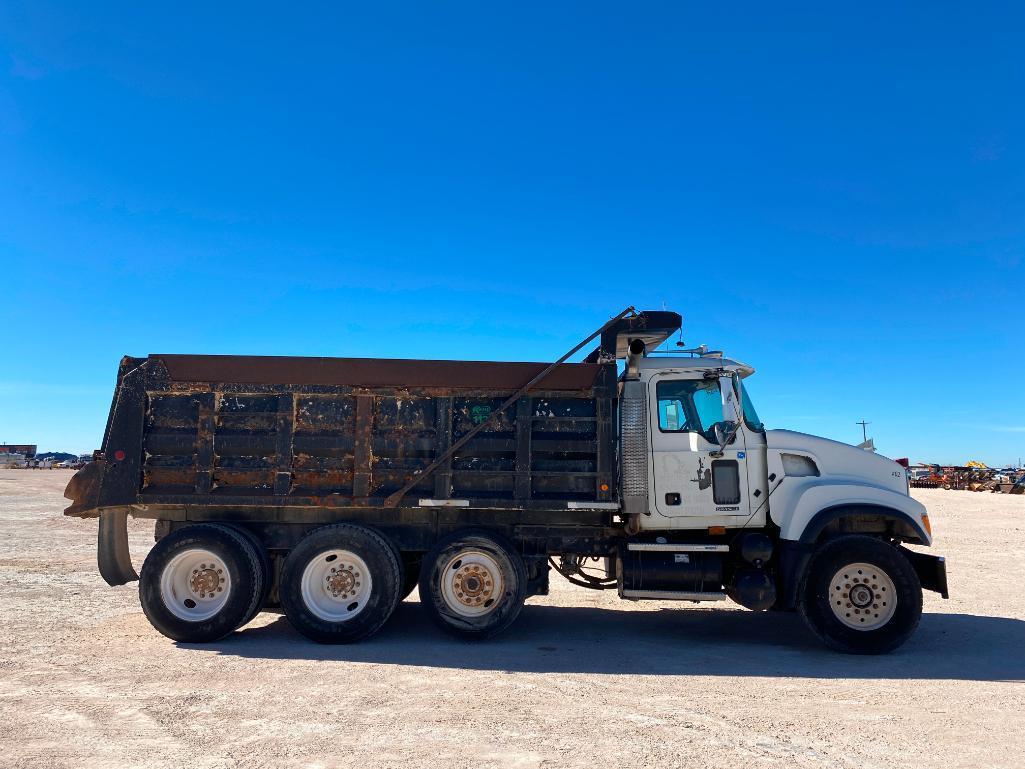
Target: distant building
x: 27, y: 449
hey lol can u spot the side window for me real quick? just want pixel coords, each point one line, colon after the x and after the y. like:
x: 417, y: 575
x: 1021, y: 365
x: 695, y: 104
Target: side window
x: 689, y: 405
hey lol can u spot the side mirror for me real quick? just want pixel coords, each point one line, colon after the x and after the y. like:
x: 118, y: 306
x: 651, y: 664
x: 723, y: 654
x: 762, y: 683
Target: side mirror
x: 730, y: 407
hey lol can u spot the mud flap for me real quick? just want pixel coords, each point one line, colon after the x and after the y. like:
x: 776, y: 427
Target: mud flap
x: 931, y: 570
x: 112, y: 554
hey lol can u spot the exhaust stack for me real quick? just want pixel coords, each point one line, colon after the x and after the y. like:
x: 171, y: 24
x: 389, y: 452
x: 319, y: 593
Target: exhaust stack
x: 635, y: 351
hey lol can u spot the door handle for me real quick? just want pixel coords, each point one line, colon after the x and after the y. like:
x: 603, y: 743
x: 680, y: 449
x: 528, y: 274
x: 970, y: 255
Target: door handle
x: 672, y: 498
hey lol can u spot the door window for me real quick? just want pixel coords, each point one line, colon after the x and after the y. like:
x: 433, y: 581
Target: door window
x: 689, y: 405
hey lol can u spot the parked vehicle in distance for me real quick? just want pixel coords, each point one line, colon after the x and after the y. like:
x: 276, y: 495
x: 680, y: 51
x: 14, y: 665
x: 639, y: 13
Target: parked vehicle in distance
x: 9, y: 460
x: 331, y: 488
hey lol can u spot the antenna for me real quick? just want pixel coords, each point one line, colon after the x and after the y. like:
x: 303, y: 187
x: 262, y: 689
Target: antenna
x: 864, y: 429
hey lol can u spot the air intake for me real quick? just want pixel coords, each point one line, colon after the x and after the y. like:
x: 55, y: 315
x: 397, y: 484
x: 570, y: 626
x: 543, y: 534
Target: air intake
x: 633, y: 430
x: 797, y: 466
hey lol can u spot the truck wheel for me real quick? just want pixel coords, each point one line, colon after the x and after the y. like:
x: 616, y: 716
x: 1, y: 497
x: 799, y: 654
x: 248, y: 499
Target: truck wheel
x: 340, y: 583
x: 861, y: 596
x: 201, y: 582
x: 473, y: 584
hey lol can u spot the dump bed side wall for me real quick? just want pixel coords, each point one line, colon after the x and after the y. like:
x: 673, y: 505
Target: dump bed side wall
x: 250, y: 443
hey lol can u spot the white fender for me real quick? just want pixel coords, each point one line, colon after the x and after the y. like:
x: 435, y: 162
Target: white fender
x: 803, y: 498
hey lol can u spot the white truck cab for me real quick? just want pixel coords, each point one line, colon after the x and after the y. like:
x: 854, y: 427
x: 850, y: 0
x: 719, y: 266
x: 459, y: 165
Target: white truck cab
x: 695, y: 483
x: 809, y: 523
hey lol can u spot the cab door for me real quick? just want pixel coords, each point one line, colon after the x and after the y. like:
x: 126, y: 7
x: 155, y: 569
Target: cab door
x: 692, y: 487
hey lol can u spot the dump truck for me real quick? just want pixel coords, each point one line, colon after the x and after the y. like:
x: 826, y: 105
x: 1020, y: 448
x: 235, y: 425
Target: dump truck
x: 331, y: 488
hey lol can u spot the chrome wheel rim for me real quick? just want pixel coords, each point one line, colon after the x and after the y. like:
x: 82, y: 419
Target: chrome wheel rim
x: 195, y: 585
x: 336, y: 585
x: 472, y: 584
x: 862, y: 596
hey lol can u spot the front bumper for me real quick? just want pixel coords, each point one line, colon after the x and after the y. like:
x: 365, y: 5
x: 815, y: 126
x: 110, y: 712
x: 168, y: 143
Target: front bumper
x: 931, y: 570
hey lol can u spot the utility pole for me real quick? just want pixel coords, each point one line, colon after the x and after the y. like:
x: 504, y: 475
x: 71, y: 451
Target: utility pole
x: 864, y: 429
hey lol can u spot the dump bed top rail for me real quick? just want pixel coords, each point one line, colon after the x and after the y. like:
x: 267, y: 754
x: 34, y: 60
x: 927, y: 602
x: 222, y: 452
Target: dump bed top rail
x: 374, y: 372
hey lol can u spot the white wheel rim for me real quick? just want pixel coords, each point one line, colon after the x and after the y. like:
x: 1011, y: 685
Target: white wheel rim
x: 195, y: 585
x: 336, y: 585
x: 472, y: 584
x: 862, y: 596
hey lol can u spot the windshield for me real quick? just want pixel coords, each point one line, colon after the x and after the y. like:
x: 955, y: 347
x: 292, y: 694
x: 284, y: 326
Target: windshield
x: 750, y: 415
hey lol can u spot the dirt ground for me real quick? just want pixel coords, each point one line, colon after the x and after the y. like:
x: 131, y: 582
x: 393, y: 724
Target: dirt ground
x: 582, y: 679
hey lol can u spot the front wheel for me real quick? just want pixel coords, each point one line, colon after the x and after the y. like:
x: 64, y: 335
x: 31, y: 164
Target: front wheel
x: 861, y: 596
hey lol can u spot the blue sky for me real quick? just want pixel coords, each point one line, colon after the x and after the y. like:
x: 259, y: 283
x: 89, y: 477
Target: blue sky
x: 835, y: 194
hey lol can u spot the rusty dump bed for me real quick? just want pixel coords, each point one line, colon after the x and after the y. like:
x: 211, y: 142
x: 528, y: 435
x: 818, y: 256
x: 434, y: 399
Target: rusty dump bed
x: 281, y: 432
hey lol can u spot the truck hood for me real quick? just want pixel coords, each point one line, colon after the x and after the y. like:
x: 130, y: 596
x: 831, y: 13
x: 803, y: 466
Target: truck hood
x: 840, y: 460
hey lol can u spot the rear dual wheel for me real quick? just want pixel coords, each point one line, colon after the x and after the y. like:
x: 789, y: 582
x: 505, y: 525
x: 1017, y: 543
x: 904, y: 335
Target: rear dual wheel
x: 473, y: 584
x: 201, y: 582
x: 341, y: 583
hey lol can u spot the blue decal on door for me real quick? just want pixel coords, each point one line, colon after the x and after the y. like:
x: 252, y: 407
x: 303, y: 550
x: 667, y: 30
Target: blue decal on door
x: 740, y: 455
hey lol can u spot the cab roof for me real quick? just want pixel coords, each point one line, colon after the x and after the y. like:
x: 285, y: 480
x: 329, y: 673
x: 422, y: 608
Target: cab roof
x: 699, y: 363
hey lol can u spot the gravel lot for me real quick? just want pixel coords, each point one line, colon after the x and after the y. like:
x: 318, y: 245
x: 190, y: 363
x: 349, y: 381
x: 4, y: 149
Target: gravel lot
x: 582, y: 679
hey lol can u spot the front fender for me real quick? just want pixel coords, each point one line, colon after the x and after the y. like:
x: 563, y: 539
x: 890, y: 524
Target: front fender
x: 816, y: 503
x: 813, y: 502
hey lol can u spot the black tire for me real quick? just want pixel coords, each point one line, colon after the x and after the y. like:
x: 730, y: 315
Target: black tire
x: 409, y: 564
x: 411, y: 578
x: 244, y: 580
x: 266, y: 567
x: 507, y: 598
x: 369, y: 612
x: 816, y: 605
